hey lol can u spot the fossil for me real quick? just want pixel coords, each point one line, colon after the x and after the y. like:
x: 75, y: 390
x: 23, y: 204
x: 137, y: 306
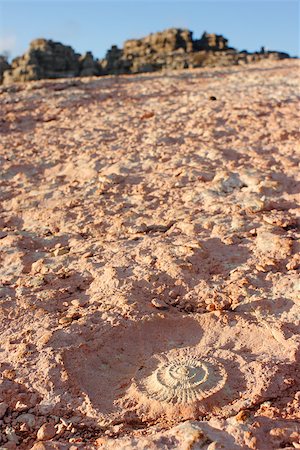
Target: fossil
x: 183, y: 379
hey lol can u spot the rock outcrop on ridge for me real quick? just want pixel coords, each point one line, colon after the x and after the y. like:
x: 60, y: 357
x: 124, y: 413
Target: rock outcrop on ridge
x: 49, y: 59
x: 4, y: 65
x: 170, y: 49
x: 176, y: 49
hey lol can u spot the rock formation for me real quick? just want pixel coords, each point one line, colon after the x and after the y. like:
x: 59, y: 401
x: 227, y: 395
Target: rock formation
x: 173, y: 48
x: 114, y: 62
x: 211, y: 42
x: 48, y: 59
x: 88, y: 65
x: 176, y: 49
x: 4, y: 65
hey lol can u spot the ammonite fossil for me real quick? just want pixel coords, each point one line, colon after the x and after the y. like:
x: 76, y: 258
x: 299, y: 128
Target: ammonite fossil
x: 183, y: 379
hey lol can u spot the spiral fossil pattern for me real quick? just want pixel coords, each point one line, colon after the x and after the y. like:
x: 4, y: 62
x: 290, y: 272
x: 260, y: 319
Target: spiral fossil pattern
x: 184, y: 379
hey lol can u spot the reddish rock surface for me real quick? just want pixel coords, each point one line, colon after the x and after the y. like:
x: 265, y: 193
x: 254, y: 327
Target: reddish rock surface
x: 149, y: 260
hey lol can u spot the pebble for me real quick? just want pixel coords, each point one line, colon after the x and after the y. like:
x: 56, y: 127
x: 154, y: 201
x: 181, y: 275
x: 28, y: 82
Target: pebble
x: 242, y: 416
x: 61, y: 251
x: 88, y: 255
x: 11, y: 435
x: 9, y: 374
x: 60, y: 428
x: 159, y: 304
x: 38, y: 267
x: 46, y: 431
x: 28, y: 419
x: 65, y: 320
x: 78, y: 302
x: 21, y: 406
x: 3, y: 409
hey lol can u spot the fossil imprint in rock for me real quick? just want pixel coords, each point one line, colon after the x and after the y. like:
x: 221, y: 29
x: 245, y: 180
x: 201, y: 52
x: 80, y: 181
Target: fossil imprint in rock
x: 184, y: 379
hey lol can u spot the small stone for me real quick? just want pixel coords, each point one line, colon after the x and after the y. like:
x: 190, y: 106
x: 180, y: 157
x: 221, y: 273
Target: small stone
x: 60, y: 428
x: 75, y: 303
x: 211, y: 307
x: 261, y: 268
x: 64, y: 422
x: 65, y: 320
x: 158, y: 303
x: 46, y: 431
x: 3, y: 409
x: 78, y: 302
x: 213, y: 446
x: 87, y: 255
x: 61, y: 251
x: 11, y: 435
x: 242, y: 416
x: 21, y: 406
x: 147, y: 115
x: 70, y: 318
x: 28, y: 419
x: 294, y: 263
x: 45, y: 338
x: 9, y: 374
x: 173, y: 294
x: 213, y: 98
x: 101, y: 441
x: 39, y: 267
x: 117, y: 428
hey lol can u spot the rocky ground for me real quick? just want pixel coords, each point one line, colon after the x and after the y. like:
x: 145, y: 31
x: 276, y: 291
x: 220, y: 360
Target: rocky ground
x: 149, y: 256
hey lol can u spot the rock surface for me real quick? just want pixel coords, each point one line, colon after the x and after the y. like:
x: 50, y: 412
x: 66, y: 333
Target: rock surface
x: 150, y: 261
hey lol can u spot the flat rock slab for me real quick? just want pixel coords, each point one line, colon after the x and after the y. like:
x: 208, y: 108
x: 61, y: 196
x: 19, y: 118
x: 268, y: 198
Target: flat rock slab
x: 150, y: 260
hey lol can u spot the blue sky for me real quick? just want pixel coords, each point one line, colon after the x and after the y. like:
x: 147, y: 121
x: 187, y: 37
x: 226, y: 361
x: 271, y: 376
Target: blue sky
x: 95, y: 24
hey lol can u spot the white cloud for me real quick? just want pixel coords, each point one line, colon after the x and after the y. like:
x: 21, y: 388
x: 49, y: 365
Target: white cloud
x: 7, y: 44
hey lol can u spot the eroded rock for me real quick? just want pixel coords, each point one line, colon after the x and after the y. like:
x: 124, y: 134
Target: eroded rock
x: 49, y: 59
x: 173, y: 48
